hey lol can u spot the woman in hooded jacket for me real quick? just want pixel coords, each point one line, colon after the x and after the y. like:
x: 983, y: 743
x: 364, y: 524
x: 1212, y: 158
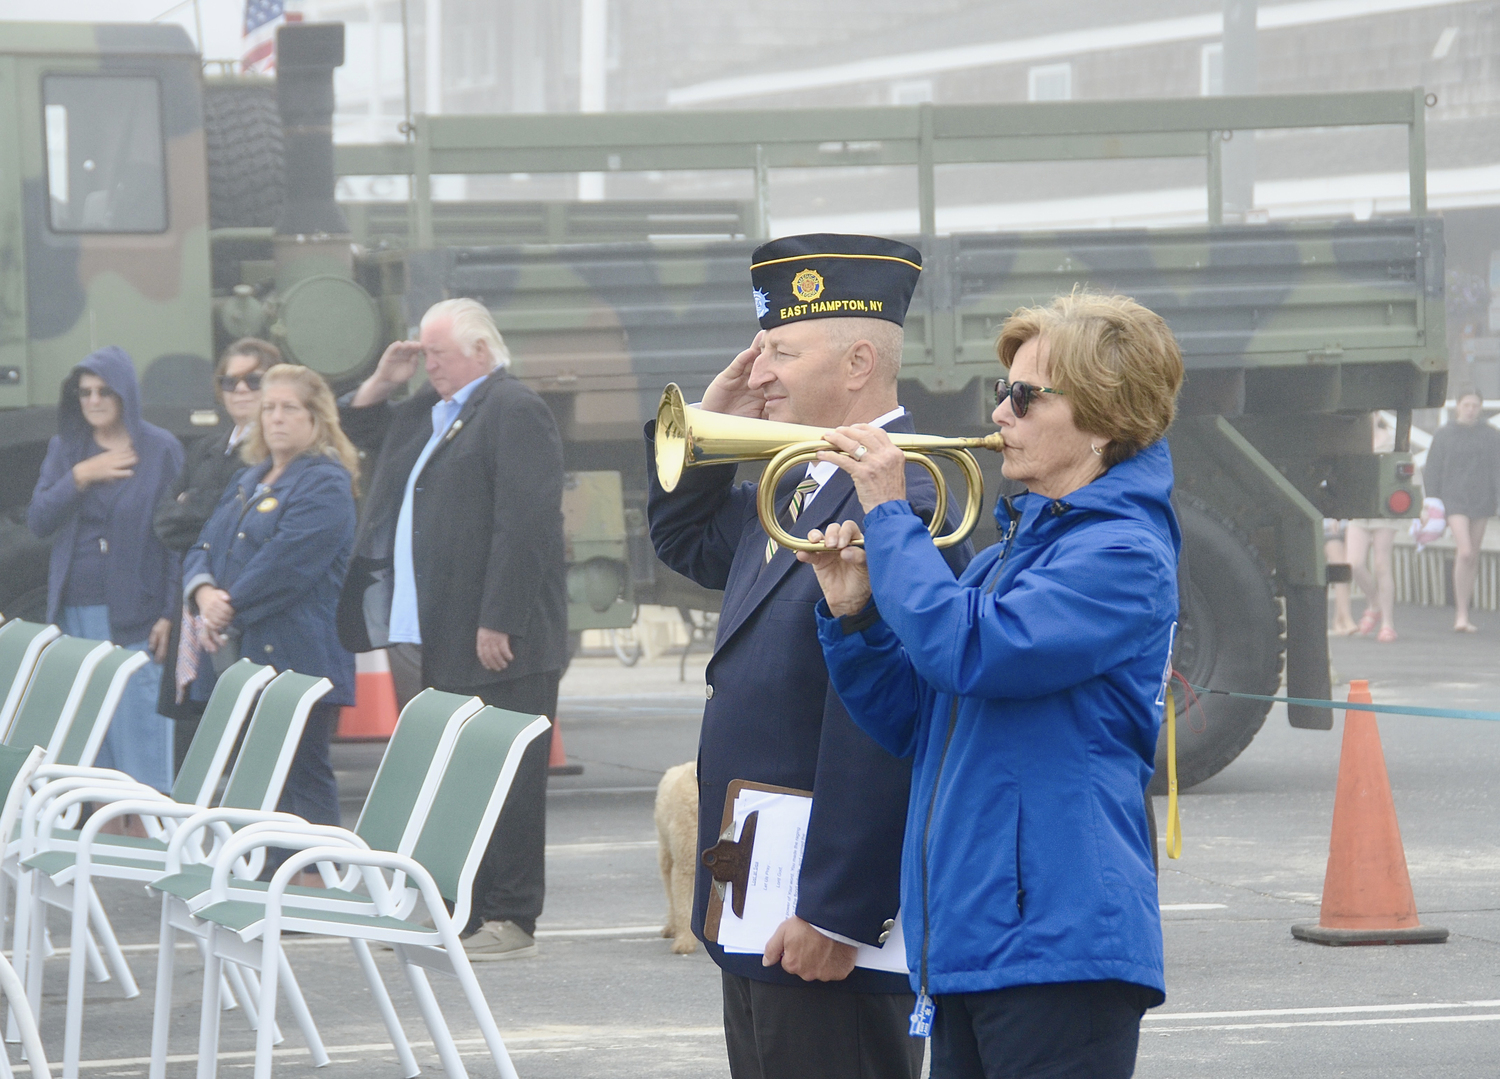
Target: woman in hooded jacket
x: 1028, y: 694
x: 110, y: 578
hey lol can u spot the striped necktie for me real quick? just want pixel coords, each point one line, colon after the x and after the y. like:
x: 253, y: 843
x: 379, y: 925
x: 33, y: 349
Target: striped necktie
x: 800, y: 496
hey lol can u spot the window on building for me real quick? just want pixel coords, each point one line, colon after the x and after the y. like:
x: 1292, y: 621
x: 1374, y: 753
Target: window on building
x: 106, y: 165
x: 911, y: 92
x: 1211, y: 70
x: 1050, y: 82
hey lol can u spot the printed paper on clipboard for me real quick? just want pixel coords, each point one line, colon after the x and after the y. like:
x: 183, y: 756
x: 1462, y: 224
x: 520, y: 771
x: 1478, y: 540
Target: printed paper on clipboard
x: 771, y: 885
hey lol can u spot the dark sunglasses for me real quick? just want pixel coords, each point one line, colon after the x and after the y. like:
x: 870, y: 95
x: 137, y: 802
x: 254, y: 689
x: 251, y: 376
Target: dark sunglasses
x: 101, y: 392
x: 229, y: 383
x: 1021, y: 394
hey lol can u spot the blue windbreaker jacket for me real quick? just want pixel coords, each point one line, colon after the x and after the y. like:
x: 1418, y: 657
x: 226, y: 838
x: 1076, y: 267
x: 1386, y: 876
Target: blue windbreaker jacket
x: 1029, y: 694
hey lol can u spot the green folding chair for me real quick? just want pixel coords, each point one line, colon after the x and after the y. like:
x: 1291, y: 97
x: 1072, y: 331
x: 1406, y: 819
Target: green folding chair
x: 395, y: 810
x: 21, y: 644
x: 196, y: 783
x: 442, y: 866
x: 17, y: 766
x: 75, y: 740
x: 62, y: 877
x: 55, y: 692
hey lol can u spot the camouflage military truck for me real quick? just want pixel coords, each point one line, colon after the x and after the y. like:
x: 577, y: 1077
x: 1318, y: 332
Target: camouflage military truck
x: 1292, y: 332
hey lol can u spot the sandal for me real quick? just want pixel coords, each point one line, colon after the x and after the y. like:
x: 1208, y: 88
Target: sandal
x: 1368, y: 621
x: 1387, y: 635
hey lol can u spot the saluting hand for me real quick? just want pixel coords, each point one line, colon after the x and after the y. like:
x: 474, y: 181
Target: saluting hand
x: 730, y: 391
x: 398, y: 364
x: 842, y: 570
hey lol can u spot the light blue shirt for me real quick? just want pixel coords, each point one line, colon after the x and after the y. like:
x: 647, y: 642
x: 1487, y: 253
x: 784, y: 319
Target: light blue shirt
x: 404, y: 625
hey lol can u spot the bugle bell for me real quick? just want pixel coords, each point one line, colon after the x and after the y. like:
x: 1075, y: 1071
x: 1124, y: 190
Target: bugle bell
x: 687, y: 437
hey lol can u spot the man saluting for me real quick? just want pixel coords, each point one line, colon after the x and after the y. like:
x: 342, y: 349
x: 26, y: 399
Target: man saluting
x: 831, y: 310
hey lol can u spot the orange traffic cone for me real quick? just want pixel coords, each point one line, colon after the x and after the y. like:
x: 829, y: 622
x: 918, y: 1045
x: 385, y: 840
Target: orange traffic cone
x: 1367, y: 896
x: 557, y: 758
x: 373, y: 715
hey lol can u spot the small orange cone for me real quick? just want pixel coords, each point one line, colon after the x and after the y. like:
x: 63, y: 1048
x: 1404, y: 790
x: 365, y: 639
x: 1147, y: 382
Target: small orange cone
x: 557, y: 758
x: 373, y: 715
x: 1367, y: 896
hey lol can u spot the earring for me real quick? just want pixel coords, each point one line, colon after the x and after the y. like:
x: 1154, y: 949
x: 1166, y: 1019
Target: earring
x: 1097, y: 451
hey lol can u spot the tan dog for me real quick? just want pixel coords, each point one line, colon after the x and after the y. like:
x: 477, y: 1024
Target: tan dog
x: 677, y: 850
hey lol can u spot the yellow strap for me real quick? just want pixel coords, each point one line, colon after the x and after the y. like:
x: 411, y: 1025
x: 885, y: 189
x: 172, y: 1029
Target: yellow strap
x: 1174, y: 822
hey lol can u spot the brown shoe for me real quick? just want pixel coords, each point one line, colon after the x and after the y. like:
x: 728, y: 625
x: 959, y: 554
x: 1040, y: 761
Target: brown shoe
x: 494, y: 941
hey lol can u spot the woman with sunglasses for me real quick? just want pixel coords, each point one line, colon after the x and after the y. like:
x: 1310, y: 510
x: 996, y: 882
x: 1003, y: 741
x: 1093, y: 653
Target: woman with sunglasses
x: 1028, y: 695
x: 109, y: 577
x: 185, y: 507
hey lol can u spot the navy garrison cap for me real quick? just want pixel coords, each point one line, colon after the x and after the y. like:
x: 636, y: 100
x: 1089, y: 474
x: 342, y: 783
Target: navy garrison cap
x: 826, y: 275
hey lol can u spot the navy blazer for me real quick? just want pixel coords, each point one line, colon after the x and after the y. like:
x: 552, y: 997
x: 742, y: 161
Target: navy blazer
x: 282, y: 557
x: 773, y: 716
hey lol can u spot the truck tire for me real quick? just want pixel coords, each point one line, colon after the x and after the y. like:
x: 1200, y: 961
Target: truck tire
x: 246, y: 159
x: 1230, y: 636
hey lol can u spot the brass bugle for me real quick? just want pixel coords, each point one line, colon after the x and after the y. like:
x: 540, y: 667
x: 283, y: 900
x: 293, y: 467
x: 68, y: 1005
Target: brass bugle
x: 687, y: 437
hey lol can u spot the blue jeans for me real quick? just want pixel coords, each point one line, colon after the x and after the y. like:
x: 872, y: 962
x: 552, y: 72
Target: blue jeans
x: 139, y: 740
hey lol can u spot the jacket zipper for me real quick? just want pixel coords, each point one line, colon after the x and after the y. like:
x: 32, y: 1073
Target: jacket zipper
x: 1010, y: 534
x: 1020, y: 887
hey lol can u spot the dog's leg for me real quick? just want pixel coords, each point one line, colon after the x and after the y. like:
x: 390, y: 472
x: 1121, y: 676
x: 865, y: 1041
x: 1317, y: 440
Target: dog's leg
x: 680, y: 888
x: 664, y: 859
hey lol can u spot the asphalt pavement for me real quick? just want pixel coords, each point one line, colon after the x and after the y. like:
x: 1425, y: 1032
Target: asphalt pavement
x: 606, y: 997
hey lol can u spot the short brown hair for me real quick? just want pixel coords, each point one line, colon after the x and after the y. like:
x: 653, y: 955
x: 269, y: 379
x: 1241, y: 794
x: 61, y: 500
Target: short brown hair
x: 265, y: 354
x: 316, y: 396
x: 1116, y: 361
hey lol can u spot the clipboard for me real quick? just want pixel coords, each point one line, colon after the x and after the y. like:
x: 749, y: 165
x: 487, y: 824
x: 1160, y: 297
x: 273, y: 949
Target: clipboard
x: 728, y: 860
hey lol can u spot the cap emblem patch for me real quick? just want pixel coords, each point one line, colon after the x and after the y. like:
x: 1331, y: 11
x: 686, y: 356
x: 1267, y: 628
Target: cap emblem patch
x: 762, y: 303
x: 267, y: 504
x: 807, y: 285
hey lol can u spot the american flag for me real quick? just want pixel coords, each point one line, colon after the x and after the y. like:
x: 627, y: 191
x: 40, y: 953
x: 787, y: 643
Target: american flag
x: 262, y: 17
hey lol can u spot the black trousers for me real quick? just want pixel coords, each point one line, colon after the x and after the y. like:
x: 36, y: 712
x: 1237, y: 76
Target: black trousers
x: 512, y: 879
x: 816, y: 1032
x: 1067, y: 1030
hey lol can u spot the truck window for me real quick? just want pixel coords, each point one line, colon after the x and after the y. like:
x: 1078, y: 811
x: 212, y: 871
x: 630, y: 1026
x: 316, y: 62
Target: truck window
x: 106, y: 168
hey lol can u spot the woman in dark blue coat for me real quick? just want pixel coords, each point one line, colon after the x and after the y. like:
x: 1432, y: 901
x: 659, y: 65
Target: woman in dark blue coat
x: 263, y: 579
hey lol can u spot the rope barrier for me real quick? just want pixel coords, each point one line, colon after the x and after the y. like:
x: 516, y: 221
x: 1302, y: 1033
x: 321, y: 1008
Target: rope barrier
x: 1388, y: 709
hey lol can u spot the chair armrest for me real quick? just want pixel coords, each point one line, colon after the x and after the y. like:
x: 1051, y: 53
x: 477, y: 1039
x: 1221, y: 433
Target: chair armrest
x: 220, y: 819
x: 69, y: 793
x: 373, y: 860
x: 304, y: 838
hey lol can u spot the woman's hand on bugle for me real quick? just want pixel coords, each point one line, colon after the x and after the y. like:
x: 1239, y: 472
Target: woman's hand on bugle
x: 874, y: 463
x: 841, y: 567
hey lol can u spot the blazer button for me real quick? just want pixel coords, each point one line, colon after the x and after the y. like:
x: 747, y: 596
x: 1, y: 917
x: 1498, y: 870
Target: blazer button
x: 240, y: 536
x: 708, y: 691
x: 885, y: 930
x: 268, y: 648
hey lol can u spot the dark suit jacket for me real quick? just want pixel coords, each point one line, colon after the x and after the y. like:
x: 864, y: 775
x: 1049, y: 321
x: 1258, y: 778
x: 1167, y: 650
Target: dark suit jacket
x: 774, y: 717
x: 487, y: 532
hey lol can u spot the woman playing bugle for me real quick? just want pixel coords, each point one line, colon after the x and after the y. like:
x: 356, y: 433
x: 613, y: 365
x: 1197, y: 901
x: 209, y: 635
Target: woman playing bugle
x: 1028, y: 694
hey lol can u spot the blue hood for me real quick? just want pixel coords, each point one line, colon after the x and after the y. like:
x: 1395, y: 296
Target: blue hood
x: 1138, y: 488
x: 114, y: 365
